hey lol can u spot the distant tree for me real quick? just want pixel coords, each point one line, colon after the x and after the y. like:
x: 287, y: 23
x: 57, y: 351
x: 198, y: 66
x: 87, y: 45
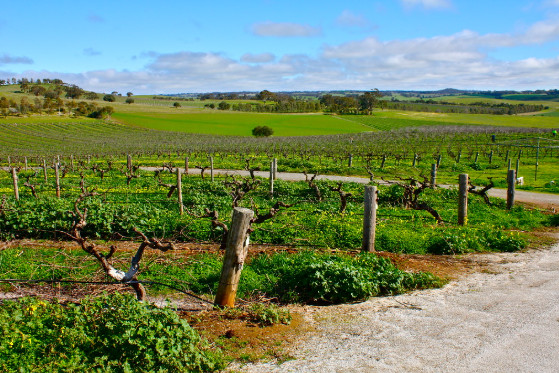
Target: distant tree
x: 109, y: 98
x: 73, y: 91
x: 266, y: 95
x: 91, y: 96
x: 102, y: 113
x: 129, y: 94
x: 177, y: 104
x: 368, y: 101
x: 262, y: 131
x: 38, y: 90
x: 223, y: 105
x: 114, y: 93
x: 129, y: 100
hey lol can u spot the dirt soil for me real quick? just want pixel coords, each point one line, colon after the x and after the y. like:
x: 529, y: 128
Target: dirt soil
x: 500, y: 315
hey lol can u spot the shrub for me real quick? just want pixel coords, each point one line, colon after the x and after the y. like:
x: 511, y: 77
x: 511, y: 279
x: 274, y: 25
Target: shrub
x: 109, y: 98
x: 262, y: 131
x: 111, y: 333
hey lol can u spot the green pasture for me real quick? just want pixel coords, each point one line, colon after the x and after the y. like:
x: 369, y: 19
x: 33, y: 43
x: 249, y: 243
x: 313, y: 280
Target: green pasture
x: 388, y: 119
x: 240, y: 124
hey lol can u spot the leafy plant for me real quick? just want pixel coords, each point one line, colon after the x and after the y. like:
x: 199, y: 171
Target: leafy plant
x: 110, y: 333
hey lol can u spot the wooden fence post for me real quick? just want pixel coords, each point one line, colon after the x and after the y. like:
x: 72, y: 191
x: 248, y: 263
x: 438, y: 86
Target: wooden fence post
x: 517, y: 166
x: 463, y: 199
x: 491, y: 157
x: 459, y: 156
x: 414, y: 160
x: 45, y: 169
x: 272, y: 178
x: 350, y: 161
x: 369, y: 219
x: 235, y: 253
x: 275, y: 168
x: 511, y: 181
x: 439, y: 158
x: 179, y: 190
x: 212, y: 168
x: 16, y: 187
x: 477, y: 156
x: 433, y: 175
x: 129, y: 162
x: 383, y: 161
x: 186, y: 165
x: 57, y: 176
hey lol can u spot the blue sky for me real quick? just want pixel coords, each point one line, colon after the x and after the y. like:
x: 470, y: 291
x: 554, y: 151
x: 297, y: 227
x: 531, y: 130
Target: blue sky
x: 194, y: 46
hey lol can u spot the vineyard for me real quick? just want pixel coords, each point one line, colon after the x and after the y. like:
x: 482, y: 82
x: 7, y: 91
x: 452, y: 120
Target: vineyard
x: 89, y: 205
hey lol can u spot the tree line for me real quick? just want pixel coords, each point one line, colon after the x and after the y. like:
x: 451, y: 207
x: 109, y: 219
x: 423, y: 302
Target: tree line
x: 433, y: 106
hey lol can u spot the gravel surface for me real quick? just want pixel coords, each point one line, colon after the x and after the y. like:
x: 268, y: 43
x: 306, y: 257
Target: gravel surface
x: 502, y: 320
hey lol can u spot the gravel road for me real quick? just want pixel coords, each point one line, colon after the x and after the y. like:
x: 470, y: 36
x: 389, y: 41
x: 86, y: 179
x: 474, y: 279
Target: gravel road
x: 502, y: 320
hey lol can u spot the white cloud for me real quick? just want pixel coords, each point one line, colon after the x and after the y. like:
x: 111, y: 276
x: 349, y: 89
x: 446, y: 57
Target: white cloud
x: 349, y: 19
x: 7, y: 59
x: 428, y: 4
x: 257, y: 58
x: 459, y: 60
x: 284, y: 29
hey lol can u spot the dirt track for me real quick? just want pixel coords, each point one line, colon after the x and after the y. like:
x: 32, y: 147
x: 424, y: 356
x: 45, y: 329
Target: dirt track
x: 502, y: 320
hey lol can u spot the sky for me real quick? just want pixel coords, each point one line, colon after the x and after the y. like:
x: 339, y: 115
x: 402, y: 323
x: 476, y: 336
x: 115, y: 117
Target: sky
x: 166, y: 46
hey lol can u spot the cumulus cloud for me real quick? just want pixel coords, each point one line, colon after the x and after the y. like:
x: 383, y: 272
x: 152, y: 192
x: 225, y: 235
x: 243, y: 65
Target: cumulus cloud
x: 284, y: 29
x: 428, y: 4
x: 7, y: 59
x: 460, y: 60
x: 257, y: 58
x: 349, y: 19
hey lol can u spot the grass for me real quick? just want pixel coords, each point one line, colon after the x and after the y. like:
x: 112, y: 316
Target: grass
x: 240, y: 124
x: 388, y: 119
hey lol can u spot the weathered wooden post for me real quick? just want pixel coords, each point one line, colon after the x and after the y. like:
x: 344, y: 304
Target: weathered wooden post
x: 235, y: 253
x: 57, y: 177
x: 212, y: 168
x: 509, y: 164
x: 45, y: 169
x: 517, y: 166
x: 72, y: 162
x: 459, y: 156
x: 439, y: 158
x: 350, y: 161
x: 15, y: 180
x: 275, y: 160
x: 129, y: 162
x: 179, y: 190
x: 477, y: 156
x: 511, y: 181
x: 433, y: 175
x: 463, y: 199
x: 414, y: 160
x: 369, y: 219
x: 272, y: 178
x: 9, y: 161
x: 491, y: 157
x: 383, y: 161
x: 186, y: 165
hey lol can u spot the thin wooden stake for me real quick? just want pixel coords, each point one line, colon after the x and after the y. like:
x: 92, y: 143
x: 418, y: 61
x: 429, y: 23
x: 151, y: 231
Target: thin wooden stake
x: 179, y: 190
x: 45, y: 169
x: 57, y: 176
x: 235, y: 253
x: 275, y: 160
x: 369, y: 219
x: 433, y: 175
x: 511, y: 181
x: 186, y: 165
x: 16, y: 187
x: 212, y: 168
x: 272, y: 178
x: 463, y: 199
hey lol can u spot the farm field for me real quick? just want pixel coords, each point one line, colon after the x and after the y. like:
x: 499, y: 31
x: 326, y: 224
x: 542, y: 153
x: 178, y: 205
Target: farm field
x: 304, y: 232
x: 240, y: 124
